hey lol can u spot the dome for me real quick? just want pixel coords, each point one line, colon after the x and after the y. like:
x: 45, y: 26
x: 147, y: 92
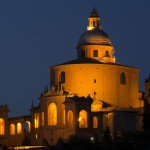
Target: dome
x: 94, y: 37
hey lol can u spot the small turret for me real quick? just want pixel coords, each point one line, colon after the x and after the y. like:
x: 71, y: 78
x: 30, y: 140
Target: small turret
x: 32, y: 105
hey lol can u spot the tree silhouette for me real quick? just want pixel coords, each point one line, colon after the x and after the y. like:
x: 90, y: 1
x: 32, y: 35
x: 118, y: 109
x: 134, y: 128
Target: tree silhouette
x: 44, y: 142
x: 107, y: 134
x: 26, y: 141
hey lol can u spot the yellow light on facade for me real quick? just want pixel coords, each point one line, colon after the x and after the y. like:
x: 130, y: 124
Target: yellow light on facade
x: 36, y: 136
x: 19, y: 128
x: 92, y: 138
x: 80, y: 118
x: 90, y: 28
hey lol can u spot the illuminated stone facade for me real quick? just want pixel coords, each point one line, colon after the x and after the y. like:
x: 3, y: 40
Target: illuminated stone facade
x: 86, y: 95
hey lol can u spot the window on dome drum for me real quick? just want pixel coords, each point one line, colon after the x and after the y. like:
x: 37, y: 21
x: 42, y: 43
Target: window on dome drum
x: 122, y: 78
x: 12, y: 129
x: 82, y: 119
x: 19, y: 128
x: 62, y: 77
x: 95, y: 53
x: 94, y: 80
x: 83, y: 53
x: 70, y: 119
x: 52, y: 114
x: 2, y: 125
x: 107, y: 54
x: 95, y: 122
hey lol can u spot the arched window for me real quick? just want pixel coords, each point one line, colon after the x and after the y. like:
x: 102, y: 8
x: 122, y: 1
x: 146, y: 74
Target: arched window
x: 12, y: 129
x: 95, y: 122
x: 110, y: 120
x: 82, y: 119
x: 36, y: 120
x: 104, y: 122
x: 62, y: 77
x: 70, y: 119
x: 27, y: 126
x: 2, y: 126
x: 19, y: 128
x: 122, y: 78
x: 52, y: 114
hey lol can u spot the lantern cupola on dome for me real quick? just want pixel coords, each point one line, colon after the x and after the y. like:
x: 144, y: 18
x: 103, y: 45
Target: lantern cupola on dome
x: 94, y: 20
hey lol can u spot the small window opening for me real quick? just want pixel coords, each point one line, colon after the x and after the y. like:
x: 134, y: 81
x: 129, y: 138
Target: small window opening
x: 107, y: 54
x: 122, y: 78
x: 95, y: 53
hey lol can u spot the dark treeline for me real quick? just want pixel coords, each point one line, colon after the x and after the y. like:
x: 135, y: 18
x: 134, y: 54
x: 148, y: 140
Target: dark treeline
x: 120, y: 141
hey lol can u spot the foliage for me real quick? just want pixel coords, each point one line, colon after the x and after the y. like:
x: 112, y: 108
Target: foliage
x: 121, y: 141
x: 26, y: 141
x: 76, y: 142
x: 44, y: 142
x: 60, y: 141
x: 107, y: 135
x: 3, y: 147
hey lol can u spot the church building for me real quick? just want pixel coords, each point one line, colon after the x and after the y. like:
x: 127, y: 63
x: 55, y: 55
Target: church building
x: 86, y: 96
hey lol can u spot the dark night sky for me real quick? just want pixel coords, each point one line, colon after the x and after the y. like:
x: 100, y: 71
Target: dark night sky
x: 37, y: 34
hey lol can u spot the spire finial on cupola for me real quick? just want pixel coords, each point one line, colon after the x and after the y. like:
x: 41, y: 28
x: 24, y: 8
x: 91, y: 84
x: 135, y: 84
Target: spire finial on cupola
x: 94, y: 13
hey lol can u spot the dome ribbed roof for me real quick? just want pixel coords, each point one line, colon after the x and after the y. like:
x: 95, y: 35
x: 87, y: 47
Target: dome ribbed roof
x: 96, y: 36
